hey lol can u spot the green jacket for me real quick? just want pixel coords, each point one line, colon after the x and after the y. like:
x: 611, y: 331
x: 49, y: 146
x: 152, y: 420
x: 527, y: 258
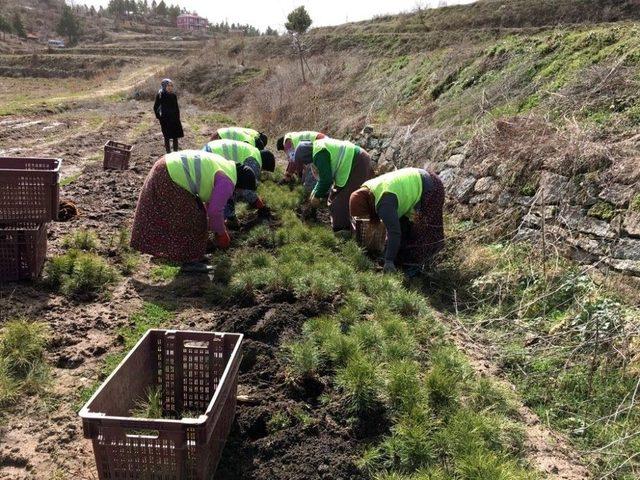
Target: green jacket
x: 333, y: 159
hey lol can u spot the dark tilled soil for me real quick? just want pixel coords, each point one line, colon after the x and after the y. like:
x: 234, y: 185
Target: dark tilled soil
x: 41, y: 437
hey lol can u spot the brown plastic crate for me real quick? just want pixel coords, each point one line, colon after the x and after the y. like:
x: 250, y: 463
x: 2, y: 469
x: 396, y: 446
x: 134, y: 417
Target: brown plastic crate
x: 196, y: 371
x: 23, y: 249
x: 29, y: 189
x: 371, y: 235
x: 116, y: 155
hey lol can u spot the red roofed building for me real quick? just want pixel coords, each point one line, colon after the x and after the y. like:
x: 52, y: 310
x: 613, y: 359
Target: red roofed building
x: 190, y: 21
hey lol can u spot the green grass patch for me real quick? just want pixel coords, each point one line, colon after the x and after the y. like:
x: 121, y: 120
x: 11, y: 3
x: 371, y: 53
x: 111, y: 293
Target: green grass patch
x: 561, y: 338
x: 166, y: 272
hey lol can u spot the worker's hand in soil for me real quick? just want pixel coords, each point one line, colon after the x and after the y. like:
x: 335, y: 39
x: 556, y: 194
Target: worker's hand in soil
x: 223, y: 240
x: 389, y: 267
x: 258, y: 204
x: 286, y: 180
x: 314, y: 202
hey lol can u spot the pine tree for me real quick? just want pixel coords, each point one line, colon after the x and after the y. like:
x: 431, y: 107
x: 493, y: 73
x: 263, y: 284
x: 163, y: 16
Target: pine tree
x: 5, y: 26
x: 18, y: 26
x: 298, y: 22
x: 69, y: 25
x: 161, y: 9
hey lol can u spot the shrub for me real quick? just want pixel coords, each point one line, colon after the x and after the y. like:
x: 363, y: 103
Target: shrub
x: 79, y: 272
x: 85, y: 240
x: 360, y: 384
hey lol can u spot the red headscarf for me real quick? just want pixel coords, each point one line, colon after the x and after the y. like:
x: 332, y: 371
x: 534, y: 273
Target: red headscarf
x: 362, y: 204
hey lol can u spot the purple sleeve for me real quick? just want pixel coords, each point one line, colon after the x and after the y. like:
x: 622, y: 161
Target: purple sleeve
x: 220, y: 194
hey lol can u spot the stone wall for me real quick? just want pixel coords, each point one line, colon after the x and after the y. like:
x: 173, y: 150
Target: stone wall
x: 592, y: 219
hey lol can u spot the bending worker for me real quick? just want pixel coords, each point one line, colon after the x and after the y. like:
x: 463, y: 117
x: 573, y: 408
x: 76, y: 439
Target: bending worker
x: 184, y: 193
x: 289, y: 143
x: 393, y: 198
x: 247, y: 135
x: 256, y: 160
x: 342, y: 168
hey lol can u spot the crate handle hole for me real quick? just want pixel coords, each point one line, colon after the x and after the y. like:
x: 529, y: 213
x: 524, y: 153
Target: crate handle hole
x: 143, y: 434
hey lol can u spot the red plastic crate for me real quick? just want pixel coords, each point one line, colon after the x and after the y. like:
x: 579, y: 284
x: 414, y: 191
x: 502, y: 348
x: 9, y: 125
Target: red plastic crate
x: 116, y: 155
x: 23, y: 249
x: 196, y: 371
x: 29, y: 189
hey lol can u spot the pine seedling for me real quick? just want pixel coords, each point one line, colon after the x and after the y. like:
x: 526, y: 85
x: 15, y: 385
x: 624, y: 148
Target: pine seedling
x: 9, y: 388
x: 405, y: 302
x: 410, y: 446
x: 488, y: 395
x: 260, y: 236
x: 321, y: 329
x: 403, y: 386
x: 360, y: 383
x: 278, y: 421
x: 129, y: 263
x: 22, y: 345
x: 150, y: 406
x: 483, y: 465
x: 341, y: 348
x: 37, y: 378
x: 85, y: 240
x: 304, y: 359
x: 79, y: 272
x: 443, y: 388
x: 90, y: 275
x: 368, y: 334
x: 371, y: 461
x: 355, y: 256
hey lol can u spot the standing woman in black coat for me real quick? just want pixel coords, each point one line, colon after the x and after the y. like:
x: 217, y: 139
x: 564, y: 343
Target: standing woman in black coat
x: 167, y: 111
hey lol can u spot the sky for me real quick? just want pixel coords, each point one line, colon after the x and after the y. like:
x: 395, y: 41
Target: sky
x: 273, y: 13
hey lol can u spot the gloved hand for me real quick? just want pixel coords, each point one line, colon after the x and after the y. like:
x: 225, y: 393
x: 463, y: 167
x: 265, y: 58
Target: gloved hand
x: 258, y: 204
x: 286, y: 180
x: 314, y: 202
x: 389, y: 267
x: 223, y: 240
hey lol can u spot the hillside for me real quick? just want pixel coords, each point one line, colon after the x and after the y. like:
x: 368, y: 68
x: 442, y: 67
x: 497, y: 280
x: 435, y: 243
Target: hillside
x: 515, y: 356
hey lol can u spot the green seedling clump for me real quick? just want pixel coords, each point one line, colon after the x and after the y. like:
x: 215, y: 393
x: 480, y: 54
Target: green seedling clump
x: 79, y: 273
x: 23, y: 368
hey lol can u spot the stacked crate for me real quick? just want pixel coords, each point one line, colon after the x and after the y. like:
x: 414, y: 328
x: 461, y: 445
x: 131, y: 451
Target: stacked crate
x: 29, y: 197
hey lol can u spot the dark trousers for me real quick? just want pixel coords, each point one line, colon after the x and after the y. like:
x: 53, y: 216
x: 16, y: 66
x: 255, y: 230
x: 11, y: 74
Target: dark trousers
x: 167, y: 145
